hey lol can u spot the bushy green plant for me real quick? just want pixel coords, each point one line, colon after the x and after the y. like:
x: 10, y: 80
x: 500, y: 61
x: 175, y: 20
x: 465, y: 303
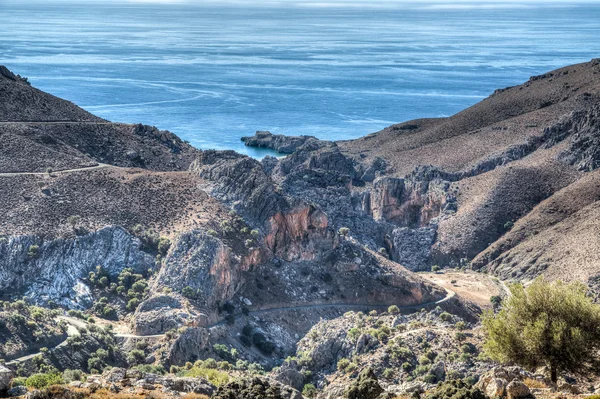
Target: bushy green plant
x: 548, y: 323
x: 213, y: 375
x: 455, y: 389
x: 342, y: 364
x: 309, y: 391
x: 446, y: 317
x: 43, y: 380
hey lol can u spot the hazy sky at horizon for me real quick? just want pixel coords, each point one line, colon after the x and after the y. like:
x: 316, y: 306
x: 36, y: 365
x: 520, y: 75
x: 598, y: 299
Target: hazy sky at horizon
x: 333, y: 3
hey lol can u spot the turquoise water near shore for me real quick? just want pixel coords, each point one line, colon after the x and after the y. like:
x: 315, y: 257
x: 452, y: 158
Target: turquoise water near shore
x: 212, y: 74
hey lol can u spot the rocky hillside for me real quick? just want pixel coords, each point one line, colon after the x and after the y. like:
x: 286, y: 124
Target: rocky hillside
x: 292, y: 274
x: 506, y: 183
x: 131, y: 227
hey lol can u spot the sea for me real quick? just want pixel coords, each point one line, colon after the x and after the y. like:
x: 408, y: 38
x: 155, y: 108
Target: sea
x: 212, y: 72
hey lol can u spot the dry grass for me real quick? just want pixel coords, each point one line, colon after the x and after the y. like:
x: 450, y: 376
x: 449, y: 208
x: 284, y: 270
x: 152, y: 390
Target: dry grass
x: 533, y: 383
x: 106, y: 394
x: 192, y: 395
x: 62, y: 392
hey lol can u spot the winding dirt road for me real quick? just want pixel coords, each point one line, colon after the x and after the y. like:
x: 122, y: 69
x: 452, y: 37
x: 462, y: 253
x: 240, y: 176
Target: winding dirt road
x: 58, y: 172
x: 75, y: 324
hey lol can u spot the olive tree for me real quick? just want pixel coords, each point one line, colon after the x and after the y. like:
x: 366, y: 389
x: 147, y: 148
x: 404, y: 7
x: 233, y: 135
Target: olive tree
x: 551, y: 324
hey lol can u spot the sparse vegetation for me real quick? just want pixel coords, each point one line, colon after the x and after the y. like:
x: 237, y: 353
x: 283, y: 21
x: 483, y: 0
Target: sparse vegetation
x: 393, y: 309
x: 344, y: 231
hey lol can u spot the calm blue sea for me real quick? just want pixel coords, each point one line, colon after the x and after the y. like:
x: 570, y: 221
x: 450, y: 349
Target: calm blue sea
x: 213, y: 73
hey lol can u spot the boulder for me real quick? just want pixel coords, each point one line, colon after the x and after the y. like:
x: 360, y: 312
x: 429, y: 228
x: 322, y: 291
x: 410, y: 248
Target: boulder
x: 439, y: 371
x: 188, y: 384
x: 496, y: 388
x: 6, y: 376
x: 414, y: 387
x: 16, y: 391
x: 116, y: 374
x: 289, y: 375
x: 517, y: 389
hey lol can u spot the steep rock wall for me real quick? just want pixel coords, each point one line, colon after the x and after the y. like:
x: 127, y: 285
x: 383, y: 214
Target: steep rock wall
x: 55, y: 271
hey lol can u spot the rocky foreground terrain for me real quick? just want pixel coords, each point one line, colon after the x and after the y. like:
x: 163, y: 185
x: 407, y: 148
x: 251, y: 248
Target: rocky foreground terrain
x: 133, y: 264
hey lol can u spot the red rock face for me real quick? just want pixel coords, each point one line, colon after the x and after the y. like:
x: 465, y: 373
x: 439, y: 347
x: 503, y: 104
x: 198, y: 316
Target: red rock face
x: 407, y: 203
x: 299, y: 234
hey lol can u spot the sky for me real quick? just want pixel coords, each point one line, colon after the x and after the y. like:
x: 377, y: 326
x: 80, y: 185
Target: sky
x: 335, y: 3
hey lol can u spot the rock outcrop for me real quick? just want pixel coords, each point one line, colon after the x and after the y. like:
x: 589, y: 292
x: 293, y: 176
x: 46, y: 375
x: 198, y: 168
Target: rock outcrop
x: 6, y: 376
x: 278, y: 142
x: 293, y: 229
x: 202, y: 262
x: 189, y: 346
x: 54, y: 270
x: 158, y: 315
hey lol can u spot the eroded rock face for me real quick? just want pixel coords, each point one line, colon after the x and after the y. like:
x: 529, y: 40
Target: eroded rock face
x: 54, y: 271
x: 584, y: 146
x: 202, y: 262
x: 159, y: 314
x: 412, y: 247
x: 189, y: 346
x: 289, y: 375
x: 294, y: 229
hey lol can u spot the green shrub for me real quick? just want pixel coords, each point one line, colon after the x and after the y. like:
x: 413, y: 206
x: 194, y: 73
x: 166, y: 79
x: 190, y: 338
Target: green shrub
x: 72, y: 375
x: 461, y: 326
x: 365, y: 386
x: 33, y: 251
x: 152, y: 368
x: 460, y: 336
x: 353, y: 333
x: 19, y: 381
x: 455, y: 389
x: 224, y: 352
x: 496, y: 300
x: 309, y: 391
x: 393, y: 309
x: 136, y: 356
x: 446, y: 317
x: 163, y: 245
x: 132, y: 304
x: 213, y: 375
x: 42, y: 380
x: 95, y: 363
x: 342, y: 364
